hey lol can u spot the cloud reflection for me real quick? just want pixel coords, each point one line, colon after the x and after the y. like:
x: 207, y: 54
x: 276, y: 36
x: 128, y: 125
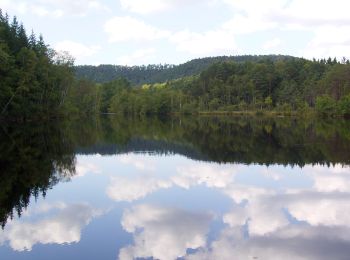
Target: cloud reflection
x: 271, y: 216
x: 63, y: 225
x: 128, y: 189
x: 292, y: 242
x: 163, y: 233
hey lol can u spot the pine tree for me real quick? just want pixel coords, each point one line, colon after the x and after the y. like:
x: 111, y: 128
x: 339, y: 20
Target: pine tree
x: 32, y: 41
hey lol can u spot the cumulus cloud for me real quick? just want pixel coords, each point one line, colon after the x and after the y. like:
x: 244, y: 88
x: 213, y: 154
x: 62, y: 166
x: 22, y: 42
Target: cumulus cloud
x: 126, y: 28
x: 152, y: 6
x: 329, y: 41
x: 54, y: 8
x: 145, y: 6
x: 163, y: 233
x: 138, y: 57
x: 64, y: 226
x: 328, y: 24
x: 129, y: 29
x: 219, y: 42
x: 76, y: 49
x: 275, y: 42
x: 327, y: 13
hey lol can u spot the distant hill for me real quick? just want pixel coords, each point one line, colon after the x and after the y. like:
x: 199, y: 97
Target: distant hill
x: 138, y: 75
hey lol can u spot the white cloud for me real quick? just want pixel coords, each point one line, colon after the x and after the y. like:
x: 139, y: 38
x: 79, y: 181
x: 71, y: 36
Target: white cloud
x: 128, y: 29
x: 76, y: 49
x: 121, y: 29
x: 139, y: 57
x: 218, y: 42
x: 153, y: 6
x: 317, y: 13
x: 241, y: 24
x: 63, y: 227
x: 163, y: 233
x: 275, y: 42
x: 145, y: 6
x: 54, y: 8
x: 329, y: 41
x: 328, y: 21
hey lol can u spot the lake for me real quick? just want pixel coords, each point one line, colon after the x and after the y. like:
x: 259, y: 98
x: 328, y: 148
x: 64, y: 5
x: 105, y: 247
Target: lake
x: 180, y: 187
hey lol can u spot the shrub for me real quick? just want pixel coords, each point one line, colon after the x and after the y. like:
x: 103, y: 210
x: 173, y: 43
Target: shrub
x: 326, y: 105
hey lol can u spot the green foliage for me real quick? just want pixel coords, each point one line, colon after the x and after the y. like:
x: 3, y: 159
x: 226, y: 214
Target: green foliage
x: 34, y: 79
x: 344, y: 105
x: 139, y: 75
x: 326, y: 105
x: 268, y: 102
x: 214, y: 104
x: 109, y: 90
x: 286, y: 86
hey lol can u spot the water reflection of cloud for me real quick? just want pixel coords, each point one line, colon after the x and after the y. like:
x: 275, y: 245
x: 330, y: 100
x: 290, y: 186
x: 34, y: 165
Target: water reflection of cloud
x: 291, y: 242
x: 63, y: 225
x: 267, y: 213
x: 282, y: 221
x: 163, y: 233
x: 82, y: 168
x: 130, y: 189
x: 140, y: 162
x: 327, y: 179
x: 211, y: 175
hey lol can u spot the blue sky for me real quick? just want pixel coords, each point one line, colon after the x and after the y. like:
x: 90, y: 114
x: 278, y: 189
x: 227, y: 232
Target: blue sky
x: 134, y: 32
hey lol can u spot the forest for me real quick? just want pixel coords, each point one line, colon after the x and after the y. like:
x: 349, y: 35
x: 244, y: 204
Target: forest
x: 39, y: 83
x: 34, y: 78
x: 152, y: 73
x: 286, y: 86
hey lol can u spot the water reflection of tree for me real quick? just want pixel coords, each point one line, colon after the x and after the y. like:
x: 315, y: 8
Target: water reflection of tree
x: 223, y: 139
x: 228, y: 139
x: 33, y: 158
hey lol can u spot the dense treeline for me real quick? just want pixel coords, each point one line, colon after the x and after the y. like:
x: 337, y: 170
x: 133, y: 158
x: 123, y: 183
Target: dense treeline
x: 37, y: 82
x: 35, y: 79
x: 282, y: 85
x: 138, y: 75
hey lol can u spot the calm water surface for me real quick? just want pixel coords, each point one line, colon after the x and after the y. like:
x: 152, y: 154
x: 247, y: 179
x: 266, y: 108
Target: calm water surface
x: 188, y: 188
